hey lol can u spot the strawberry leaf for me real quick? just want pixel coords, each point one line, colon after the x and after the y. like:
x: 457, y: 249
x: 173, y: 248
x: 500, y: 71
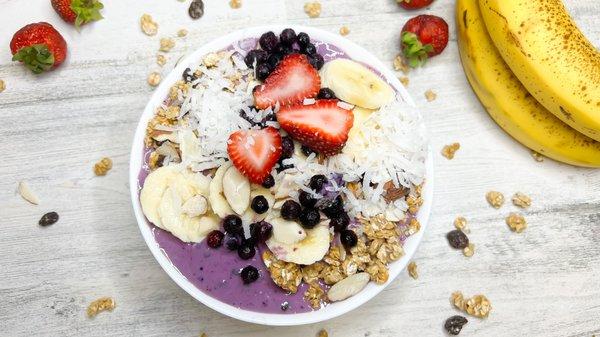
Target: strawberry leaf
x: 36, y: 58
x: 415, y: 52
x: 86, y: 11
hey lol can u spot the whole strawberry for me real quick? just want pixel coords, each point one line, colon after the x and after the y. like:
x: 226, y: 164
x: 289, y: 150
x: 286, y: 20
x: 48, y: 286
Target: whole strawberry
x: 78, y: 12
x: 423, y: 36
x: 39, y: 47
x: 414, y: 4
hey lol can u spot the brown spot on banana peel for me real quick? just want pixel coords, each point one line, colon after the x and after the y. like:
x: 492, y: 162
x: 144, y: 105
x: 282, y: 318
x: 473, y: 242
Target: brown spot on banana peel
x: 567, y: 114
x: 465, y: 19
x: 511, y: 36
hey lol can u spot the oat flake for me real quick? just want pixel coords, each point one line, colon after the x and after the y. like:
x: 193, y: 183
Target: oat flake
x: 516, y: 222
x: 412, y: 270
x: 182, y: 32
x: 149, y: 27
x: 161, y: 60
x: 521, y: 200
x: 313, y: 9
x: 495, y: 199
x: 323, y: 333
x: 477, y: 306
x: 449, y: 150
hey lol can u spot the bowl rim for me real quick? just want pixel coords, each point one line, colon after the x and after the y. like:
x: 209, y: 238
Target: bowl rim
x: 333, y: 310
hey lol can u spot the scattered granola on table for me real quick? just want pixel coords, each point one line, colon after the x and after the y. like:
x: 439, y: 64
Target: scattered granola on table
x: 457, y: 239
x: 521, y: 200
x: 460, y: 223
x: 412, y: 270
x: 404, y: 80
x: 161, y: 59
x: 154, y: 79
x: 516, y: 222
x: 448, y: 151
x: 495, y: 199
x: 149, y: 27
x: 2, y: 85
x: 235, y: 4
x: 430, y: 95
x: 100, y: 305
x: 477, y: 306
x: 313, y: 9
x: 537, y: 156
x: 454, y: 324
x: 166, y: 44
x: 182, y: 32
x: 400, y: 64
x: 344, y: 30
x: 103, y: 166
x: 469, y: 250
x: 323, y: 333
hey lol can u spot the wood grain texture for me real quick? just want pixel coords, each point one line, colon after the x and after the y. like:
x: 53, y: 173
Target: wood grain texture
x: 543, y: 282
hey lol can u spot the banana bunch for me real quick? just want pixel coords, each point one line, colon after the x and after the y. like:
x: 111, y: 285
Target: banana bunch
x: 535, y: 74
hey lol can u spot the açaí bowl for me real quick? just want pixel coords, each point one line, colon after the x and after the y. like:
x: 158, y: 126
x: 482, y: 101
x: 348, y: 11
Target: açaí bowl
x: 332, y: 310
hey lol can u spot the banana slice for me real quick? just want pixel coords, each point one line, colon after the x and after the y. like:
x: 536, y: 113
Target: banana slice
x: 360, y: 117
x: 307, y: 251
x: 195, y: 206
x: 218, y: 203
x: 250, y: 215
x: 236, y: 188
x: 356, y: 84
x: 286, y: 231
x: 154, y: 187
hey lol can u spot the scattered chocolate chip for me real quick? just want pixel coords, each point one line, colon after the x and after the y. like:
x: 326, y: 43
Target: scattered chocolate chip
x: 454, y: 324
x: 48, y: 219
x: 196, y: 9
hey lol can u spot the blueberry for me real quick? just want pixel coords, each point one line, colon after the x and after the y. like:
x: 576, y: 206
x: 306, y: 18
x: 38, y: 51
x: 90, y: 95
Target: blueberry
x: 268, y: 41
x: 335, y: 208
x: 261, y: 231
x: 303, y: 39
x: 306, y: 199
x: 214, y: 239
x: 255, y: 56
x: 249, y: 274
x: 284, y: 49
x: 307, y: 151
x: 309, y: 49
x: 317, y: 181
x: 273, y: 60
x: 348, y: 238
x: 246, y: 251
x: 287, y: 36
x: 232, y: 242
x: 340, y: 222
x: 263, y: 71
x: 290, y: 210
x: 259, y: 204
x: 316, y: 61
x: 233, y: 224
x: 268, y: 182
x: 309, y: 217
x: 287, y: 147
x: 326, y: 93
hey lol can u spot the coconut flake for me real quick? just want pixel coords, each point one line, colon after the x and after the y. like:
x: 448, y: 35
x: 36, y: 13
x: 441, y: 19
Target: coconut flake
x: 27, y: 194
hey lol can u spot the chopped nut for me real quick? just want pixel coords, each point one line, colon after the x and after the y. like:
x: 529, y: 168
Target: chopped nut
x: 537, y: 157
x: 521, y: 200
x: 430, y: 95
x: 161, y: 60
x: 154, y: 79
x: 313, y: 9
x: 166, y: 44
x: 235, y: 4
x: 2, y: 86
x: 314, y: 295
x: 469, y: 250
x: 103, y: 166
x: 211, y: 60
x: 404, y: 80
x: 477, y: 306
x: 449, y: 150
x: 393, y: 193
x: 412, y: 270
x: 344, y: 30
x: 27, y: 194
x: 495, y: 199
x: 516, y: 222
x: 323, y: 333
x: 460, y: 223
x: 182, y: 32
x: 149, y: 27
x: 400, y: 64
x: 99, y: 305
x: 286, y: 275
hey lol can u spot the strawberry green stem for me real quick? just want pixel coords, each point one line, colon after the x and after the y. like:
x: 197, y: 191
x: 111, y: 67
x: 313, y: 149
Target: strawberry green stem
x: 36, y: 58
x: 414, y: 51
x: 87, y: 11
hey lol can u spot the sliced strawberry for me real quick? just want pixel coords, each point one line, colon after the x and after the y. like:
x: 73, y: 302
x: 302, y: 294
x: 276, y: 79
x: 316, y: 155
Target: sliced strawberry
x: 293, y: 80
x: 255, y: 152
x: 322, y: 126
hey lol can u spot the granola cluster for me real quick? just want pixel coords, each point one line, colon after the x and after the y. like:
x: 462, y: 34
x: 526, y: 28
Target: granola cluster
x: 286, y: 275
x: 99, y: 305
x: 477, y: 306
x: 102, y: 167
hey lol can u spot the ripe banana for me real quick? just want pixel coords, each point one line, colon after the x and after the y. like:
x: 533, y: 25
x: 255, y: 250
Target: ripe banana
x: 356, y: 84
x: 509, y: 103
x: 306, y: 248
x: 550, y: 57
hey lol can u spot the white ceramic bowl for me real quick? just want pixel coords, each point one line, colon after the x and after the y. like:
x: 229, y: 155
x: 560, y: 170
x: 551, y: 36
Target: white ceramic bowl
x: 332, y: 310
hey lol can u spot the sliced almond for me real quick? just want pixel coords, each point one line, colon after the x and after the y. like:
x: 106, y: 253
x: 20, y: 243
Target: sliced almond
x: 27, y: 193
x: 348, y: 287
x: 236, y: 189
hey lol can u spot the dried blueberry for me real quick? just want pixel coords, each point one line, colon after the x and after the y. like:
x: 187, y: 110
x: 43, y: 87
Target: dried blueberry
x: 287, y: 36
x: 263, y: 71
x: 249, y: 274
x: 317, y: 181
x: 287, y: 147
x: 309, y: 217
x: 268, y: 41
x: 303, y: 39
x: 214, y: 239
x: 348, y: 238
x: 196, y: 9
x: 259, y: 204
x: 283, y: 49
x: 326, y: 93
x: 233, y: 224
x: 335, y: 208
x: 306, y: 199
x: 268, y: 182
x: 340, y: 222
x: 307, y: 151
x: 255, y: 56
x: 316, y: 61
x: 273, y: 60
x: 457, y: 239
x: 290, y: 210
x: 454, y: 324
x: 232, y: 242
x: 261, y: 231
x: 309, y: 49
x: 48, y: 219
x: 246, y: 250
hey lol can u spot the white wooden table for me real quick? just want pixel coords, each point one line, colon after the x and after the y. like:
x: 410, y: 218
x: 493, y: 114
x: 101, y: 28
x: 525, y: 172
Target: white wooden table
x: 543, y: 282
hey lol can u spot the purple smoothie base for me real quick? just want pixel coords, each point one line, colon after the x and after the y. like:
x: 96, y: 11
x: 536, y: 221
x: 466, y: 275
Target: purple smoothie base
x: 215, y: 272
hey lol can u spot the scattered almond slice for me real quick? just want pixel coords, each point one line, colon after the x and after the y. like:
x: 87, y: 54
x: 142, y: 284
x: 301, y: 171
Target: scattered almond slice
x: 100, y: 305
x: 348, y: 287
x: 27, y: 194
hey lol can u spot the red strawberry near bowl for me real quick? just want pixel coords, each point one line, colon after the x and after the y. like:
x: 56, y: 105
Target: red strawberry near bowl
x: 39, y: 47
x: 422, y: 37
x: 414, y: 4
x: 255, y: 152
x: 78, y: 12
x: 322, y: 126
x: 293, y: 80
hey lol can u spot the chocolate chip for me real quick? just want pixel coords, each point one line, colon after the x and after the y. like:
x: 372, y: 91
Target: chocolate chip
x: 48, y: 219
